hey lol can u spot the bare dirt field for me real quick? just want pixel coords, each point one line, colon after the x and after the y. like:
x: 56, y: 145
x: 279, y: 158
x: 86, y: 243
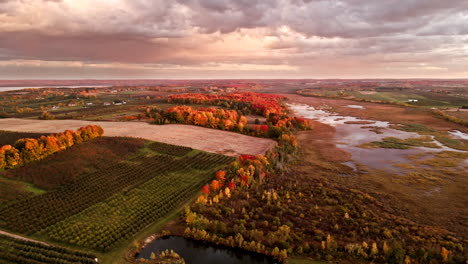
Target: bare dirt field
x: 206, y: 139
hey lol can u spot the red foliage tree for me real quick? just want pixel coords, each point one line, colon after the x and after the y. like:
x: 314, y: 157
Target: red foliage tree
x: 206, y: 189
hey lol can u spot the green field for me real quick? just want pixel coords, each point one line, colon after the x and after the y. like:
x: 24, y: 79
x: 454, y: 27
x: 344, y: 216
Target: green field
x: 425, y: 98
x: 104, y: 207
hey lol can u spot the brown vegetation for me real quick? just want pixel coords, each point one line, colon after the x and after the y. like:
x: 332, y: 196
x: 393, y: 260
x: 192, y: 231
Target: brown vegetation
x: 383, y: 112
x: 91, y: 156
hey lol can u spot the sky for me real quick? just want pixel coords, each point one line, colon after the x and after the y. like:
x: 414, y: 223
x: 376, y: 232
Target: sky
x: 202, y: 39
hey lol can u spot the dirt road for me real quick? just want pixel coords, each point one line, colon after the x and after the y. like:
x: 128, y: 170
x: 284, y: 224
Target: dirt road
x: 210, y: 140
x: 21, y: 237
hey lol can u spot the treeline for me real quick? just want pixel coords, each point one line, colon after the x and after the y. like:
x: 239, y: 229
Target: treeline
x: 277, y: 120
x: 443, y: 115
x: 246, y: 102
x: 229, y: 120
x: 205, y: 117
x: 27, y: 150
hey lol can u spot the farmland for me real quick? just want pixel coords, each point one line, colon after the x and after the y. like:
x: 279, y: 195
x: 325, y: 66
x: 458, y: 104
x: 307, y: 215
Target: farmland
x: 233, y: 132
x: 257, y: 187
x: 9, y: 138
x: 119, y: 186
x: 222, y: 142
x: 22, y: 251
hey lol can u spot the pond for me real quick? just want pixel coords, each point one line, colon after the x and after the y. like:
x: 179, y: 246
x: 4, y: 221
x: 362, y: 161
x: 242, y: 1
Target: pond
x: 197, y: 252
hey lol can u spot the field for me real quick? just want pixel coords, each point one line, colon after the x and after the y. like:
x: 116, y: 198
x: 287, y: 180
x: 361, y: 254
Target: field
x: 222, y: 142
x: 104, y: 191
x: 9, y: 138
x: 307, y: 199
x: 56, y: 170
x: 422, y: 97
x: 22, y: 251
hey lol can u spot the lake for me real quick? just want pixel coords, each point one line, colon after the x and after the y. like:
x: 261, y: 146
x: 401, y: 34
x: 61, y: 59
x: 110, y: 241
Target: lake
x: 5, y: 89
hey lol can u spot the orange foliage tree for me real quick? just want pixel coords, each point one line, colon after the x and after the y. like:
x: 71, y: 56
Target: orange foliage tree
x: 27, y: 150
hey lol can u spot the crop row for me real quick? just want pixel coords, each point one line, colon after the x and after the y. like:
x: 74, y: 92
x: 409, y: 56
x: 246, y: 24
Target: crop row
x: 168, y: 149
x: 14, y: 250
x: 36, y: 213
x: 68, y: 165
x: 104, y: 225
x: 207, y: 160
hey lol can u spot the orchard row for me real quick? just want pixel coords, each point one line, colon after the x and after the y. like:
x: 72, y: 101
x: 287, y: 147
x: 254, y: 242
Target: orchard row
x: 19, y: 251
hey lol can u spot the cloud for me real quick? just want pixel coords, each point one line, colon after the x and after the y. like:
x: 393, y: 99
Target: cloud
x: 286, y: 34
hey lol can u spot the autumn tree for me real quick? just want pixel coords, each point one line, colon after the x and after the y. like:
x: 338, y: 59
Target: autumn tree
x: 221, y: 175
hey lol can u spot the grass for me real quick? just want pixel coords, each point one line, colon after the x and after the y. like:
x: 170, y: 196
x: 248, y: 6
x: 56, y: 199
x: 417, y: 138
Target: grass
x: 405, y: 166
x: 422, y: 177
x: 12, y: 190
x: 440, y: 136
x: 426, y: 99
x: 452, y: 143
x: 397, y: 143
x: 413, y: 127
x: 445, y: 159
x: 439, y: 168
x: 440, y: 162
x: 452, y: 154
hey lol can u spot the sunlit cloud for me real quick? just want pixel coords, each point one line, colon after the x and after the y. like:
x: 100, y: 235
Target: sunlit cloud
x: 286, y: 38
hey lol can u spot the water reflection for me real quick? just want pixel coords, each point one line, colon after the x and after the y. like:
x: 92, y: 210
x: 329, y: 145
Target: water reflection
x: 459, y: 134
x: 196, y: 252
x: 350, y: 136
x: 356, y: 106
